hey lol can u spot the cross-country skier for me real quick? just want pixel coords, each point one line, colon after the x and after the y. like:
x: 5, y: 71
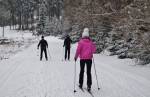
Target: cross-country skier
x: 43, y: 45
x: 67, y: 45
x: 85, y: 51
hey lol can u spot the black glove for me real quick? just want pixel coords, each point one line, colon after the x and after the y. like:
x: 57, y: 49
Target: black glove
x: 75, y: 59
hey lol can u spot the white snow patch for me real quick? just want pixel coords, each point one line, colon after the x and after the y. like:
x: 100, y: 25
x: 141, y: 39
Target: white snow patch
x: 23, y: 75
x: 16, y: 41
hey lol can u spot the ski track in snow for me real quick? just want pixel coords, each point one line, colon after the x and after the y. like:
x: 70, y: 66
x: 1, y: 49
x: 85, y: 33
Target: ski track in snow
x: 24, y: 75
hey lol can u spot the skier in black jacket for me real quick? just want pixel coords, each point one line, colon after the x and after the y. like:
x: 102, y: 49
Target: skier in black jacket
x: 67, y: 45
x: 43, y: 44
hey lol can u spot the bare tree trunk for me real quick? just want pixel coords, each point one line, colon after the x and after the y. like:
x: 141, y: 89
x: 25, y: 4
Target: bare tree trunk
x: 20, y: 21
x: 27, y: 19
x: 10, y: 23
x: 32, y: 19
x: 3, y: 30
x: 13, y: 21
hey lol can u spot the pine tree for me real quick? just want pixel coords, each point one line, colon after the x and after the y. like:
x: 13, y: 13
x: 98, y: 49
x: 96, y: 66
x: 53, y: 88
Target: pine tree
x: 42, y: 19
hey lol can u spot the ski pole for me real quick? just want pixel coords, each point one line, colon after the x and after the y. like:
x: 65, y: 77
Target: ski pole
x: 37, y: 52
x: 49, y: 53
x: 63, y: 54
x: 75, y: 77
x: 96, y: 75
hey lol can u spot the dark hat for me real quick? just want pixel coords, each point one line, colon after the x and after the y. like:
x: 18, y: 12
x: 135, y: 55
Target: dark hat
x: 67, y: 35
x: 42, y: 37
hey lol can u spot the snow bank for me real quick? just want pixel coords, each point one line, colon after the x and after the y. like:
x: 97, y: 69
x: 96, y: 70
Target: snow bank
x: 14, y: 41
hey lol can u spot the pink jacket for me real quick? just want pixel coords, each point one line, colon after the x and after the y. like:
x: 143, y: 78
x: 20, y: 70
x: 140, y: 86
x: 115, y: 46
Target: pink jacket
x: 85, y: 49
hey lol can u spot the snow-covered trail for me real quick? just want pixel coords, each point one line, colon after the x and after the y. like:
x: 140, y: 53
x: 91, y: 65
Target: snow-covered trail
x: 25, y: 76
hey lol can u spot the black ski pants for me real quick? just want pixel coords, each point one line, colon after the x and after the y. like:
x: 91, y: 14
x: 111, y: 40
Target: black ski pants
x: 88, y: 63
x: 67, y: 53
x: 45, y: 51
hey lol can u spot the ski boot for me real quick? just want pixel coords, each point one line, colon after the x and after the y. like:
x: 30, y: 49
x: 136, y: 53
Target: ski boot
x: 89, y: 89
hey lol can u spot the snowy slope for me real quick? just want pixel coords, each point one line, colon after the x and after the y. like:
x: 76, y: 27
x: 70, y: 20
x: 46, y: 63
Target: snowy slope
x: 15, y: 33
x: 16, y: 41
x: 23, y: 75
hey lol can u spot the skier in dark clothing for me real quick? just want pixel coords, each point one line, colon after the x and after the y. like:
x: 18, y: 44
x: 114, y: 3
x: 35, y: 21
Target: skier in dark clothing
x: 43, y: 45
x: 67, y: 45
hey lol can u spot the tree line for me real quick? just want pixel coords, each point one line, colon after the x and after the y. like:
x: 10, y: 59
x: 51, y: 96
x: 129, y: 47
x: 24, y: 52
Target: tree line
x: 25, y: 13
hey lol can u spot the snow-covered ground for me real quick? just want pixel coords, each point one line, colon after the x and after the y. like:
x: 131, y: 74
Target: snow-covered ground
x: 23, y: 75
x: 15, y: 33
x: 17, y: 41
